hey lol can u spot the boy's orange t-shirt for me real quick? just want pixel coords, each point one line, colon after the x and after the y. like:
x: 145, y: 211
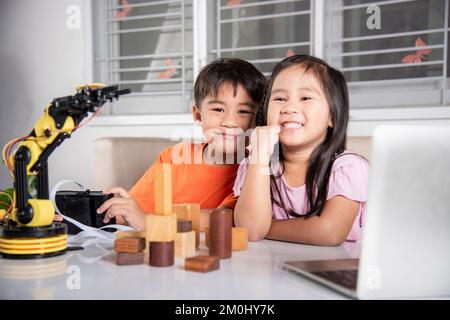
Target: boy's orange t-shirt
x: 208, y: 185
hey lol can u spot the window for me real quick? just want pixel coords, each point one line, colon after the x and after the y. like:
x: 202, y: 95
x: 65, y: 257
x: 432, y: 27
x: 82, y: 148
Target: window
x: 157, y: 47
x: 262, y: 32
x: 401, y: 64
x: 146, y: 46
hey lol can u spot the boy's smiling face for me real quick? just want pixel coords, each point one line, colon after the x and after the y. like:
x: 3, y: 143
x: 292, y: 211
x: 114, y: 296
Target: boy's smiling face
x: 225, y: 118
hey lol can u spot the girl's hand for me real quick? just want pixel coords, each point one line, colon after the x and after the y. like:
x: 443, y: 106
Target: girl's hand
x: 262, y: 144
x: 122, y: 205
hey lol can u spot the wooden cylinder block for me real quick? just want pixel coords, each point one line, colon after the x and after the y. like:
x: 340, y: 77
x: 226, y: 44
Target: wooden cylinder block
x: 162, y: 254
x: 220, y: 225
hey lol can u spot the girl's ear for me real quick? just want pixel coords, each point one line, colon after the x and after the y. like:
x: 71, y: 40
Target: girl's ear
x: 196, y: 115
x: 330, y: 123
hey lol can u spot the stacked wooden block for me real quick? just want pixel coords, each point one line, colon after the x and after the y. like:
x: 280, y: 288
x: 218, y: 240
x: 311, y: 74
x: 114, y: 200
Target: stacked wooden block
x: 174, y: 231
x: 190, y: 211
x: 185, y: 239
x: 221, y: 239
x: 129, y: 250
x: 161, y: 226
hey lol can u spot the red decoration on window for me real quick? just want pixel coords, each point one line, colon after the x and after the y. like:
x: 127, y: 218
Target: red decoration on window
x: 232, y: 3
x: 169, y: 72
x: 290, y: 52
x: 419, y: 55
x: 125, y: 12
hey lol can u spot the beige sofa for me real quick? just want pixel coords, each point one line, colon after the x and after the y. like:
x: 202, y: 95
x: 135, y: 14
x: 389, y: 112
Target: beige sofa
x: 122, y: 161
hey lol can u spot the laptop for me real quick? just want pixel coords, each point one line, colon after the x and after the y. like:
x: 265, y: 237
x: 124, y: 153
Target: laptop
x: 405, y: 251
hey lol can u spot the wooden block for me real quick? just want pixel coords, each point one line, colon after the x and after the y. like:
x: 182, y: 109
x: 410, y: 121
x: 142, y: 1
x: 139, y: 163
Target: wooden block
x: 129, y: 245
x: 207, y: 236
x: 185, y: 244
x: 129, y: 234
x: 163, y: 189
x: 184, y: 225
x: 239, y: 239
x: 190, y: 211
x: 162, y: 254
x: 160, y: 228
x: 202, y: 263
x: 124, y: 259
x: 220, y: 225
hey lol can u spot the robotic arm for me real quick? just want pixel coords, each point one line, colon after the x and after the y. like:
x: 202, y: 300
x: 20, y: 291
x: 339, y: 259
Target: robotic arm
x: 63, y: 116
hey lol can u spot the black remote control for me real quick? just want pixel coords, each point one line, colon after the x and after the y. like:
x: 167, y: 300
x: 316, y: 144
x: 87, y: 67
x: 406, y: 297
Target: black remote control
x: 82, y: 206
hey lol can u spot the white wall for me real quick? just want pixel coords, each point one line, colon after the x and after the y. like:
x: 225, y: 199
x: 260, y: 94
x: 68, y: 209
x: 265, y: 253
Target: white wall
x: 41, y: 59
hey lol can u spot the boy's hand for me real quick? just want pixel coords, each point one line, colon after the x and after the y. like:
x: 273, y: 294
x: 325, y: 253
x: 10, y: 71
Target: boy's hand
x: 262, y: 143
x: 122, y: 205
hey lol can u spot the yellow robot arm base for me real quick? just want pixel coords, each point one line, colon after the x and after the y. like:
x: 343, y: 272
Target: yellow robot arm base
x: 43, y: 213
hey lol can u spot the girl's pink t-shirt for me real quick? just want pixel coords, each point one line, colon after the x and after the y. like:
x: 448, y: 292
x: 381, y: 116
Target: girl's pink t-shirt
x: 349, y: 178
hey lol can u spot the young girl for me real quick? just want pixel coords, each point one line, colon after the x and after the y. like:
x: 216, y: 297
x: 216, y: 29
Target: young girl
x: 317, y: 191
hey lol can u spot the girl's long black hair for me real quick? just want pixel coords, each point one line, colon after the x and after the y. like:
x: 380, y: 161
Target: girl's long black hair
x: 322, y: 158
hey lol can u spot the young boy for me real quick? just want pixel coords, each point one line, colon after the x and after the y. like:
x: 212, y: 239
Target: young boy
x: 228, y: 94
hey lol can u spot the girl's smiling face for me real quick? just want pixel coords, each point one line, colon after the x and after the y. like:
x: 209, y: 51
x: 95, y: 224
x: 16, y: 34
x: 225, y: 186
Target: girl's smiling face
x: 299, y: 106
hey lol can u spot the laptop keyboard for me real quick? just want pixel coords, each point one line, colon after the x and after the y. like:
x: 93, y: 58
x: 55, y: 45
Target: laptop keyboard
x: 345, y: 278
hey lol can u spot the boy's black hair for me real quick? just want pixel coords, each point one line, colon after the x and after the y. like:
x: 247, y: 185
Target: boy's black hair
x: 233, y: 71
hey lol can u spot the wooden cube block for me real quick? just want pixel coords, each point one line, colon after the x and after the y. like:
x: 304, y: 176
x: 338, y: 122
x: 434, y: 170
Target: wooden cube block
x: 124, y: 259
x: 162, y: 254
x: 185, y: 244
x: 129, y: 234
x: 202, y: 263
x: 129, y: 245
x: 190, y: 211
x: 160, y: 228
x: 163, y: 189
x: 207, y: 236
x: 239, y: 239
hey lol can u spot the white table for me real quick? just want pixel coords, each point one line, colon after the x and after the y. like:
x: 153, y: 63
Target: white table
x: 93, y: 274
